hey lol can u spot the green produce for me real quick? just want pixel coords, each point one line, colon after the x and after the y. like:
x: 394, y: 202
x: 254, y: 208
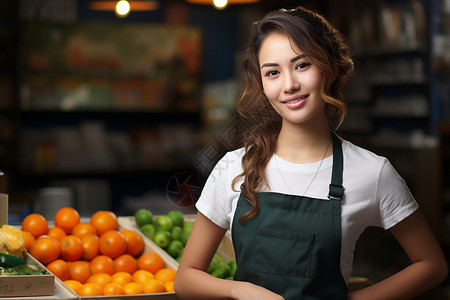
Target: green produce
x: 187, y: 227
x: 163, y: 223
x: 184, y: 238
x: 232, y: 264
x: 177, y: 217
x: 24, y: 269
x: 162, y: 238
x: 177, y: 232
x: 149, y: 231
x: 143, y: 216
x: 175, y: 247
x: 10, y: 261
x: 221, y: 271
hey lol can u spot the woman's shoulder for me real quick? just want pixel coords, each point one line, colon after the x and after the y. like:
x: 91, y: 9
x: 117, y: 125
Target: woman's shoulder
x: 361, y: 157
x: 350, y: 148
x: 233, y: 156
x: 231, y: 160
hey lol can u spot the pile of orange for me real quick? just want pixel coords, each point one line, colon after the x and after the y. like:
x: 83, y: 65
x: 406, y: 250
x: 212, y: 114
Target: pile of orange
x: 96, y: 258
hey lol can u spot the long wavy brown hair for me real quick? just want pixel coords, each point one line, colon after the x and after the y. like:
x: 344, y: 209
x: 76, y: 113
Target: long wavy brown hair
x: 326, y: 47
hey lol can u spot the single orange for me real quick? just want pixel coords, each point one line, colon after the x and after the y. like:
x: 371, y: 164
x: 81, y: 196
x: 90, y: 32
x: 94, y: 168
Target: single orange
x: 126, y: 263
x: 71, y: 248
x: 67, y: 218
x: 100, y: 279
x: 103, y: 221
x: 36, y: 224
x: 153, y: 286
x: 141, y: 276
x: 102, y: 264
x: 79, y: 271
x: 169, y: 286
x: 133, y: 288
x: 122, y: 278
x: 59, y: 268
x: 134, y: 241
x: 113, y: 288
x: 57, y: 233
x: 151, y: 261
x: 90, y: 245
x: 112, y: 243
x: 45, y: 249
x: 90, y: 289
x: 166, y: 274
x: 83, y: 228
x: 74, y: 285
x: 28, y: 240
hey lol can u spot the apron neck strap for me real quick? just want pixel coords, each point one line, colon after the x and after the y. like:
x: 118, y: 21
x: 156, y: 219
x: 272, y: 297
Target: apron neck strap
x: 336, y: 189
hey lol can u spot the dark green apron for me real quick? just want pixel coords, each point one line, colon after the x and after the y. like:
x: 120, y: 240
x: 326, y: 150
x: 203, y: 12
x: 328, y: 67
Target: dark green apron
x: 293, y: 245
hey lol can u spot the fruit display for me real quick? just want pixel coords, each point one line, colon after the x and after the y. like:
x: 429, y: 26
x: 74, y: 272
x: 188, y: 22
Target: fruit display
x: 11, y: 241
x: 13, y: 265
x: 171, y: 232
x: 96, y: 257
x: 13, y: 253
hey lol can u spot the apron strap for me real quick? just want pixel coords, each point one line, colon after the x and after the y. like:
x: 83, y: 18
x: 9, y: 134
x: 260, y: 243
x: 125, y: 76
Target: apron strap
x: 336, y: 189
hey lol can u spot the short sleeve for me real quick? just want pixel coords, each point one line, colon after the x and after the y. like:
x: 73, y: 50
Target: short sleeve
x: 394, y: 197
x: 214, y: 199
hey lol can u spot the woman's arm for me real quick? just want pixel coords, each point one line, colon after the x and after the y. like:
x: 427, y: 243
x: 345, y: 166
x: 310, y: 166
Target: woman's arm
x: 428, y: 269
x: 193, y: 282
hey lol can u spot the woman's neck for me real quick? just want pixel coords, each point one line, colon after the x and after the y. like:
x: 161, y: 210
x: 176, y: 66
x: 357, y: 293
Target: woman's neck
x: 303, y: 144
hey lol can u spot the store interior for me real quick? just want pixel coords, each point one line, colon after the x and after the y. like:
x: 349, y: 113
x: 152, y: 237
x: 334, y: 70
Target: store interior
x: 101, y: 111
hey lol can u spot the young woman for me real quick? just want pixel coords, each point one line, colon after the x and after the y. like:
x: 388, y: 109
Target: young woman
x: 297, y: 197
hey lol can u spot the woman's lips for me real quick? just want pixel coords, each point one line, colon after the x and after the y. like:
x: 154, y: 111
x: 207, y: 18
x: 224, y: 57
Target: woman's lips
x: 296, y: 102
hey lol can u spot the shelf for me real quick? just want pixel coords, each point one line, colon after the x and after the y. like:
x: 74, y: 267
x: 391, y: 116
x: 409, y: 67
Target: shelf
x: 111, y: 174
x: 392, y: 80
x: 388, y: 52
x: 98, y: 112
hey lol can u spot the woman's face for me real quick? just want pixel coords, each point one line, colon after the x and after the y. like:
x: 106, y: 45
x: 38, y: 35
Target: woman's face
x: 290, y: 81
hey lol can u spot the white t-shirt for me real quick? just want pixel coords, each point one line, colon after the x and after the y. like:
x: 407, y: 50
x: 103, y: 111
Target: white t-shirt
x: 374, y: 193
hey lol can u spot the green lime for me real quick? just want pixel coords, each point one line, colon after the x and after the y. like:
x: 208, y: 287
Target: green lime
x: 162, y: 238
x: 149, y: 230
x: 163, y: 223
x: 187, y: 227
x: 212, y: 267
x: 232, y: 264
x: 177, y: 232
x: 222, y: 270
x: 143, y: 216
x: 218, y: 259
x: 174, y: 248
x: 184, y: 238
x: 177, y: 217
x: 230, y: 278
x: 181, y: 253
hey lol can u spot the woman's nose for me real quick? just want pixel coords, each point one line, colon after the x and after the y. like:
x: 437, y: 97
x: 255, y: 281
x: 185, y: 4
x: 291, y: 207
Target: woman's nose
x: 291, y: 83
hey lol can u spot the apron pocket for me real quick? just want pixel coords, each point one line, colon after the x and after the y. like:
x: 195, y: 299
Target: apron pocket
x: 283, y: 252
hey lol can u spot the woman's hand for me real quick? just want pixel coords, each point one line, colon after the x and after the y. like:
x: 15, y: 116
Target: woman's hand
x: 248, y: 291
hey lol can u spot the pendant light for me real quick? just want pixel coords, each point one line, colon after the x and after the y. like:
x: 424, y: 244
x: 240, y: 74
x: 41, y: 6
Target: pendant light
x: 123, y: 7
x: 221, y: 4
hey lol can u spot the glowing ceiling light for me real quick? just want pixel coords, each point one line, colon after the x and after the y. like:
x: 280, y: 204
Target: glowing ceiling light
x: 122, y: 8
x: 221, y: 4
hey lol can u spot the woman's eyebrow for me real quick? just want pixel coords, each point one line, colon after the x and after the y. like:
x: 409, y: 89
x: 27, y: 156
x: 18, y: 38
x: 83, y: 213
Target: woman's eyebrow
x: 291, y: 60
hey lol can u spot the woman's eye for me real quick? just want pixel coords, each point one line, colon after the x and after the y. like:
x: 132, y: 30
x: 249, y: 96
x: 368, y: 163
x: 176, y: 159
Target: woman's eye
x: 272, y: 73
x: 303, y: 65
